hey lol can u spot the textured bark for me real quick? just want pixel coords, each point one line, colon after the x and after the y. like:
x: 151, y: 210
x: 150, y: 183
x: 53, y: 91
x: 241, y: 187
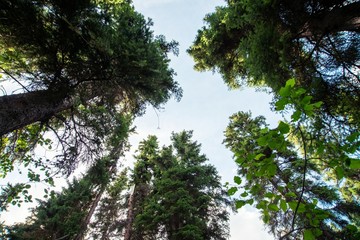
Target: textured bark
x: 346, y: 18
x: 86, y: 222
x: 130, y: 216
x: 141, y: 191
x: 20, y: 110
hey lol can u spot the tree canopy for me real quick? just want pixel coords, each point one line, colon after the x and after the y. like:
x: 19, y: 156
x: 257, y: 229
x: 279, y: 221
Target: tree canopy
x: 182, y: 195
x: 86, y: 68
x: 79, y: 65
x: 265, y: 43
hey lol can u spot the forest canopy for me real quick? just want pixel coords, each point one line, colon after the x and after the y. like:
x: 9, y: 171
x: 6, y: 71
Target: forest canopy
x: 83, y: 70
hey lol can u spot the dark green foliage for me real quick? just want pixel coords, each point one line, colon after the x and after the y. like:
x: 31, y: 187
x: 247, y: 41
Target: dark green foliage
x: 265, y: 43
x: 81, y: 65
x: 184, y: 197
x: 62, y: 215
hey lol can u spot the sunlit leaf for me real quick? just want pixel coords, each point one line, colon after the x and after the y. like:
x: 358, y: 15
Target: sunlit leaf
x: 273, y: 207
x: 232, y: 191
x: 355, y: 164
x: 237, y: 179
x: 283, y: 127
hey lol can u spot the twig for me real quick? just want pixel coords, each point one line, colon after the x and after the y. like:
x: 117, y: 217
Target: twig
x: 9, y: 74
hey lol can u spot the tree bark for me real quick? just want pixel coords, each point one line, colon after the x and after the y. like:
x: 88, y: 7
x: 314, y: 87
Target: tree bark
x: 87, y: 219
x: 130, y: 215
x: 346, y: 18
x: 20, y: 110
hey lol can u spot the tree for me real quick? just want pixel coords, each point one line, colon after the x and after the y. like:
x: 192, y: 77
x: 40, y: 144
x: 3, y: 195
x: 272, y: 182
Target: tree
x: 297, y: 178
x: 177, y: 195
x: 265, y: 43
x: 79, y: 65
x: 66, y: 215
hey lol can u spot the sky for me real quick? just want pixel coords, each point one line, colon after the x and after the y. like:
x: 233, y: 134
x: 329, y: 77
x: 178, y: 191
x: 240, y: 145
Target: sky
x: 205, y: 108
x: 207, y: 102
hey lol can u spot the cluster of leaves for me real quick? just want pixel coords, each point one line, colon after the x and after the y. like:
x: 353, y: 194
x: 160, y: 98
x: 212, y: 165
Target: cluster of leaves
x: 294, y: 176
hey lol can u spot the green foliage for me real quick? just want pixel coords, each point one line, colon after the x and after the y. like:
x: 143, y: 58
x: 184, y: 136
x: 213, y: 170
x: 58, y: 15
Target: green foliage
x: 290, y: 170
x: 91, y: 62
x: 62, y: 215
x: 176, y: 195
x: 184, y: 199
x: 265, y: 43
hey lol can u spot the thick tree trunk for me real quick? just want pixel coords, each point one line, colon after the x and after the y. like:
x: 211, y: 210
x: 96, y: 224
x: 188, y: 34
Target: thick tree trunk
x: 346, y: 18
x: 20, y: 110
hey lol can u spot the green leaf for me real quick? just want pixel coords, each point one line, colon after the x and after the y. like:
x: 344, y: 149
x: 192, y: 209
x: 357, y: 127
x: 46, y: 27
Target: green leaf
x: 244, y: 194
x: 300, y: 91
x: 352, y: 228
x: 296, y: 116
x: 301, y: 208
x: 354, y: 164
x: 283, y: 205
x: 232, y: 191
x: 290, y: 82
x: 260, y: 155
x: 280, y: 104
x: 240, y: 160
x: 308, y: 107
x: 273, y: 207
x: 266, y: 216
x: 237, y: 180
x: 306, y: 100
x: 283, y: 127
x: 352, y: 137
x: 250, y: 201
x: 262, y: 141
x: 339, y: 172
x: 269, y: 195
x: 293, y: 205
x: 262, y: 204
x: 317, y: 104
x: 308, y: 235
x: 284, y: 91
x: 240, y: 204
x: 272, y: 169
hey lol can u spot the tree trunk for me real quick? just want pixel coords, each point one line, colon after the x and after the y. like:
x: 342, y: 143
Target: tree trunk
x: 130, y: 215
x: 20, y: 110
x: 87, y: 219
x: 346, y: 18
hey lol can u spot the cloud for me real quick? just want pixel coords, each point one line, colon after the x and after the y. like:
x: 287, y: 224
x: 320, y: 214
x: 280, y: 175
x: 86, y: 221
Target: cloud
x: 246, y: 224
